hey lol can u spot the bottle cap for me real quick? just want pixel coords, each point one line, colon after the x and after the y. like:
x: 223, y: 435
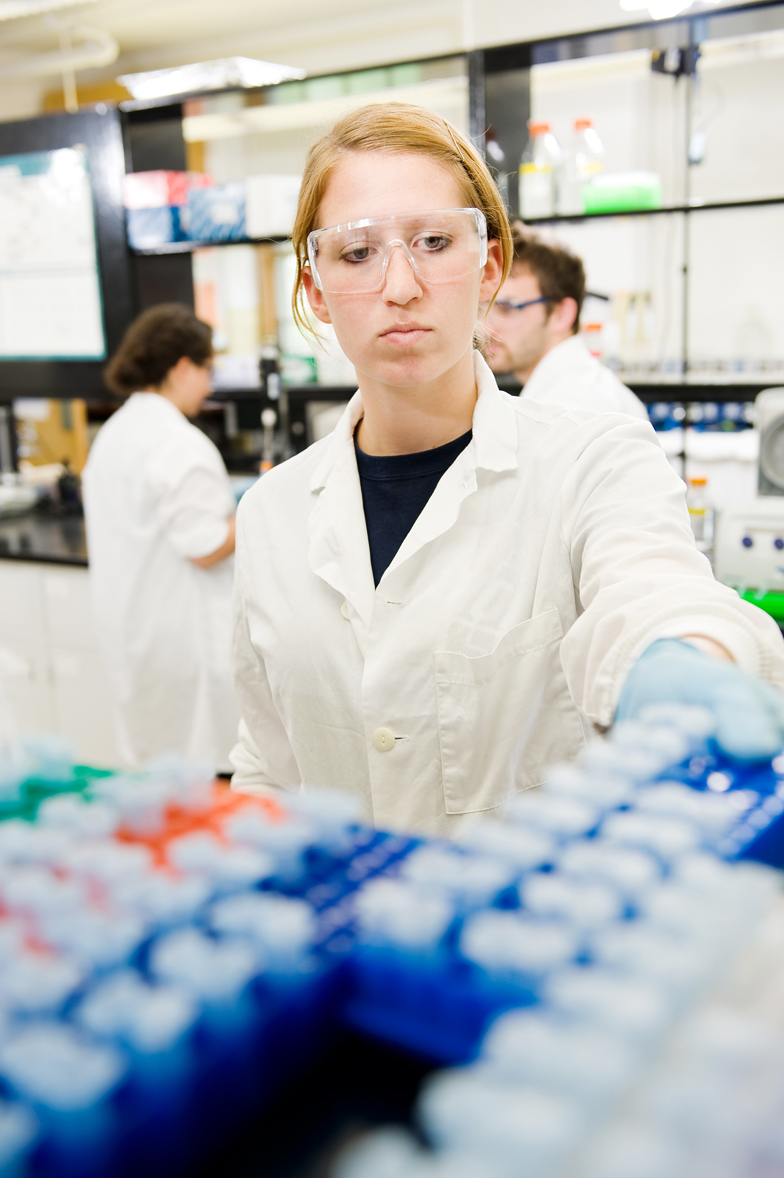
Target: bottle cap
x: 393, y: 912
x: 698, y: 482
x: 581, y: 124
x: 559, y: 1055
x: 608, y: 998
x: 54, y: 1066
x: 515, y: 844
x: 283, y: 925
x: 469, y: 1108
x: 505, y: 943
x: 149, y: 1018
x: 537, y: 128
x: 215, y: 971
x: 391, y: 1152
x: 630, y: 869
x: 583, y: 903
x: 473, y: 880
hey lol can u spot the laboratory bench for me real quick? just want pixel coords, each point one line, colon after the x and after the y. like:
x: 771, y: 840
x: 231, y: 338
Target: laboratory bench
x: 44, y: 536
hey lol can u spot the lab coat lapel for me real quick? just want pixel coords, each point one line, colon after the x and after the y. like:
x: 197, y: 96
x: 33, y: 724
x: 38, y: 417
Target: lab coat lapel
x: 493, y: 447
x: 338, y: 551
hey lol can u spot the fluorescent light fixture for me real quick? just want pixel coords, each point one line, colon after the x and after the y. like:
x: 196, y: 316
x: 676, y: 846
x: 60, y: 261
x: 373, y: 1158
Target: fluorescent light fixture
x: 663, y: 9
x: 14, y: 9
x: 222, y: 74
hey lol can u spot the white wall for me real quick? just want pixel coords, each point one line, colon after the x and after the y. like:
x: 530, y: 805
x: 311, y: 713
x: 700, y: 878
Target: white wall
x: 318, y: 35
x: 22, y: 99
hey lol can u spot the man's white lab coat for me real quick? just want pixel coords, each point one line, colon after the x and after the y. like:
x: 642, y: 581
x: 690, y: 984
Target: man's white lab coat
x: 553, y: 551
x: 156, y: 494
x: 569, y: 377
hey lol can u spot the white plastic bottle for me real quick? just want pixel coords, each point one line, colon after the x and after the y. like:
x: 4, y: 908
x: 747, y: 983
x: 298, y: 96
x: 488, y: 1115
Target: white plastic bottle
x: 538, y: 172
x: 700, y: 513
x: 581, y: 165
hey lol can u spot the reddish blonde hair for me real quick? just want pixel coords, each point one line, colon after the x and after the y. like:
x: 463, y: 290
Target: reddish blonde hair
x: 394, y: 127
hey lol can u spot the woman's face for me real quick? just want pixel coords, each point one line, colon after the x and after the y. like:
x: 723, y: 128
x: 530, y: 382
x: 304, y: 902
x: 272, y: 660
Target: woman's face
x: 187, y: 385
x: 408, y: 332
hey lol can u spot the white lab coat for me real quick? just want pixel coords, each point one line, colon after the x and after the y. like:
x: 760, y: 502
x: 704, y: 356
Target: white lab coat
x: 553, y: 551
x: 569, y: 377
x: 156, y: 494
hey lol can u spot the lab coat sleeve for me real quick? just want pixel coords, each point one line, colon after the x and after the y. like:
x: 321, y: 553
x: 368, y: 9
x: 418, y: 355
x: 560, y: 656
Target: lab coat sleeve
x: 263, y: 756
x: 194, y: 497
x: 638, y: 574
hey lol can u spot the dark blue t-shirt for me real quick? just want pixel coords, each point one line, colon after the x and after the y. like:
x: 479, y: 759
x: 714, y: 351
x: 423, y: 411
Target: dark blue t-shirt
x: 394, y: 491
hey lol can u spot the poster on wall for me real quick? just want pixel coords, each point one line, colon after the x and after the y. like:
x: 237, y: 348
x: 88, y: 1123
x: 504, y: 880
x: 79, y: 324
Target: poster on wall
x: 50, y: 291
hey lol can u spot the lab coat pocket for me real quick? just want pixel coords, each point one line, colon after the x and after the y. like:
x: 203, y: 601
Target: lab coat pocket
x: 495, y: 718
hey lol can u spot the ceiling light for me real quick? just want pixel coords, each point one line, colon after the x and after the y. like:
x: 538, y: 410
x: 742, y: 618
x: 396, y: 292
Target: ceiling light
x: 664, y: 9
x: 13, y: 9
x: 223, y: 74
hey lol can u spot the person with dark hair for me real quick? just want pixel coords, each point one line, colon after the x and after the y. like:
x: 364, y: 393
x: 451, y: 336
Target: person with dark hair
x: 159, y: 511
x: 533, y: 332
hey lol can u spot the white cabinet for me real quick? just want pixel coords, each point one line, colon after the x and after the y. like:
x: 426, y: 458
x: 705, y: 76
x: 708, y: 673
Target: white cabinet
x: 20, y: 597
x: 68, y: 610
x: 24, y: 672
x: 82, y: 703
x: 49, y: 660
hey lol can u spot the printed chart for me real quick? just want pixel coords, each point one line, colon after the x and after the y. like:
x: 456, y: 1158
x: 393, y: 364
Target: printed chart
x: 50, y: 294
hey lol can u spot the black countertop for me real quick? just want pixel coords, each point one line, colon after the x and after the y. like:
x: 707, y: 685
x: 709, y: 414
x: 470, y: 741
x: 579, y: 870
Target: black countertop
x: 44, y: 536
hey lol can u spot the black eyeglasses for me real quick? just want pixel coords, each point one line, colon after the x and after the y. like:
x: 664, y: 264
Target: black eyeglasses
x: 506, y: 306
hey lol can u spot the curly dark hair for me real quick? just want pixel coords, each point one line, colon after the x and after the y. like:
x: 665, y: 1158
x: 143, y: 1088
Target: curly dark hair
x: 153, y: 344
x: 559, y: 272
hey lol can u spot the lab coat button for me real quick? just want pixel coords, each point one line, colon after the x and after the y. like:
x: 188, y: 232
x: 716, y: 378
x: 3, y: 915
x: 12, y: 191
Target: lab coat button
x: 344, y: 610
x: 383, y: 739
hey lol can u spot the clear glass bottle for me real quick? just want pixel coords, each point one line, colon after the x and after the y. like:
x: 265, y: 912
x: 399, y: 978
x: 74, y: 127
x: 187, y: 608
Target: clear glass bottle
x: 581, y: 165
x: 538, y: 172
x: 701, y: 513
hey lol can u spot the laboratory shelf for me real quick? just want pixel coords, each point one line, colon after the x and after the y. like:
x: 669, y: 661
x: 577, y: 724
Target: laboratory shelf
x: 684, y: 390
x: 696, y: 206
x: 680, y: 389
x: 189, y: 247
x: 305, y: 392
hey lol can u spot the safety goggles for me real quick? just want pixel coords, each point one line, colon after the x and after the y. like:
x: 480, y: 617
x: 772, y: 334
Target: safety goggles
x: 510, y: 307
x: 440, y: 246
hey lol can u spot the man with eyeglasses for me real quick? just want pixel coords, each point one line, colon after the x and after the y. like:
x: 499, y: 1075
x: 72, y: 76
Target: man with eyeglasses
x: 533, y: 333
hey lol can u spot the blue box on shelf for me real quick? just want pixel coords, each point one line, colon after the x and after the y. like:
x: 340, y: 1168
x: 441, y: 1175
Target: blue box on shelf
x: 216, y: 214
x: 151, y: 228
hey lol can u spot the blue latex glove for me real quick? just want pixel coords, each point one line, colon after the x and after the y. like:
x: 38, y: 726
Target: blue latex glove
x: 749, y: 713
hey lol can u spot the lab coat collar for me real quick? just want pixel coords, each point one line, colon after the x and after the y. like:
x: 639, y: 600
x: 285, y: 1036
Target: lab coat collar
x: 571, y: 353
x: 494, y: 429
x: 156, y: 403
x: 339, y: 551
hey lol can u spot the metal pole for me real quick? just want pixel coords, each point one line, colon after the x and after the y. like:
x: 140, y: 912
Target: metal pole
x: 476, y: 99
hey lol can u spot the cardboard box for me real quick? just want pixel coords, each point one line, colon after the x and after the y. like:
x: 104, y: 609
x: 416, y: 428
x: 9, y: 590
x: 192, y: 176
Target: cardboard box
x: 156, y: 190
x: 271, y: 204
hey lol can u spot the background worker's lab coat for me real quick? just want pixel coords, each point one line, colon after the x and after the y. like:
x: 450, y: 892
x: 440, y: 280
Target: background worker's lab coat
x: 156, y: 495
x: 570, y: 377
x: 553, y: 551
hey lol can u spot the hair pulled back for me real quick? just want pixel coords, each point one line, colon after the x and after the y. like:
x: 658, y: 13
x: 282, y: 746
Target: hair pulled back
x: 394, y: 127
x: 152, y: 346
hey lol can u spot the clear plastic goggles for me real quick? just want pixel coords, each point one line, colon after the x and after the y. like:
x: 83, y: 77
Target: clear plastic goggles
x: 441, y: 246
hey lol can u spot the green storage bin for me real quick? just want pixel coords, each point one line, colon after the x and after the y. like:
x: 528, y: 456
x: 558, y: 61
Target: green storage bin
x: 622, y: 192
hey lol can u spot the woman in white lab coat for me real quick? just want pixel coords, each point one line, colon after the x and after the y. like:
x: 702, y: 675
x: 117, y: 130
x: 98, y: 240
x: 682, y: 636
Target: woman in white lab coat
x: 159, y: 511
x: 454, y: 588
